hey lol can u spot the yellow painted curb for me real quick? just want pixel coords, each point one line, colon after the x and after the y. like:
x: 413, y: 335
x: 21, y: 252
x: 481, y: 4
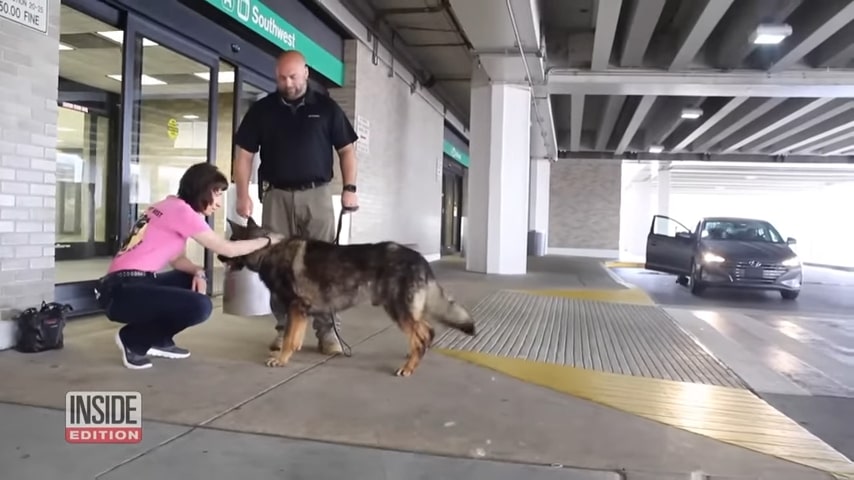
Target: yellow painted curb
x: 733, y: 416
x: 629, y: 296
x: 624, y: 264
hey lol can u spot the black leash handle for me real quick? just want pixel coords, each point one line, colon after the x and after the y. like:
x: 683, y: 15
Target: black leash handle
x: 341, y: 219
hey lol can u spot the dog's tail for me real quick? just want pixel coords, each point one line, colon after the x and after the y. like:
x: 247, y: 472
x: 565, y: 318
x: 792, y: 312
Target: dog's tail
x: 446, y: 311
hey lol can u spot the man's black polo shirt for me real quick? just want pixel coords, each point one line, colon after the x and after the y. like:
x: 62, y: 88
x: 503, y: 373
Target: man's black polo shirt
x: 296, y: 140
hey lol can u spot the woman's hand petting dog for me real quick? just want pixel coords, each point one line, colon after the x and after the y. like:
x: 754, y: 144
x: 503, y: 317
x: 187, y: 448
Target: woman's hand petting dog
x: 275, y: 238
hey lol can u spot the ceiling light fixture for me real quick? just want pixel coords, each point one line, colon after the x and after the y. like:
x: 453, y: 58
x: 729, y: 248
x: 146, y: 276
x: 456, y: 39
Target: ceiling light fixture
x: 222, y: 77
x: 692, y: 113
x: 118, y: 36
x: 63, y: 46
x: 191, y: 117
x: 145, y: 79
x: 770, y: 34
x: 656, y: 148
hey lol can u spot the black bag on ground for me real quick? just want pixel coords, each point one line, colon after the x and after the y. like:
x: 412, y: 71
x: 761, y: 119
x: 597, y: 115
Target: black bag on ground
x: 41, y: 330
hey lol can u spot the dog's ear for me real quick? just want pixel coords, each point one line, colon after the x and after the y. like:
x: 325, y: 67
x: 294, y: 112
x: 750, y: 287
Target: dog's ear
x: 250, y: 223
x: 234, y: 226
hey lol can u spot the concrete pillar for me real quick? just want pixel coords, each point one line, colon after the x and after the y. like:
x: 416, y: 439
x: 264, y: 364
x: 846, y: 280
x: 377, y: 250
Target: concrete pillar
x: 538, y: 197
x: 663, y: 192
x: 498, y: 178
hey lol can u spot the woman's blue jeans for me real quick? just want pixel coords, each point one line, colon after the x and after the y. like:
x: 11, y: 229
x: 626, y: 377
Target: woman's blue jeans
x: 153, y: 308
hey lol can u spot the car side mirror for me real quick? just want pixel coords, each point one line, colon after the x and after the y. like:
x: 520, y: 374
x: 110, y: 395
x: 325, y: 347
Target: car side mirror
x: 791, y: 241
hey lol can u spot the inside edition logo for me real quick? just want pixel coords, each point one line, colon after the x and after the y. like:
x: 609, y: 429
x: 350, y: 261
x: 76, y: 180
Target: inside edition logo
x: 103, y: 417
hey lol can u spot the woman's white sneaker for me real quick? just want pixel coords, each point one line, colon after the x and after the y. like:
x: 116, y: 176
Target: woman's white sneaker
x: 172, y: 351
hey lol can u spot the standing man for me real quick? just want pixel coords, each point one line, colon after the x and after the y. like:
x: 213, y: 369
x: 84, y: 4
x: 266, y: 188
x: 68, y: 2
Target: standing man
x: 296, y: 129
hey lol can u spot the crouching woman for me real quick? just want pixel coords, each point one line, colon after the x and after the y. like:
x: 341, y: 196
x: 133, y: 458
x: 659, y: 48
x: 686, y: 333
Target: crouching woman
x: 155, y: 305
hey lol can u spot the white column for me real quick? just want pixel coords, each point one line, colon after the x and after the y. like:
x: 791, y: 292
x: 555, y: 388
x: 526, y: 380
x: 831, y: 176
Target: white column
x: 538, y: 193
x: 663, y: 192
x: 498, y: 178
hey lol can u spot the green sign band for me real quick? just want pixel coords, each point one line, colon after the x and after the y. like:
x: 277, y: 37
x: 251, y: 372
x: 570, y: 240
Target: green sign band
x: 265, y: 22
x: 461, y: 157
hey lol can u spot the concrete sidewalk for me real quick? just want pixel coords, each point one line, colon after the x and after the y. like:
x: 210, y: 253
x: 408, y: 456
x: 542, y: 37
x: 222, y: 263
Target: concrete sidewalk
x: 245, y: 418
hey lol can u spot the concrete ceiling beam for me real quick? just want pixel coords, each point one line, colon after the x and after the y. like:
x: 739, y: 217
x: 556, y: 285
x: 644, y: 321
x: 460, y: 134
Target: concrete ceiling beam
x: 787, y: 113
x: 634, y: 124
x: 806, y: 84
x: 704, y: 18
x: 609, y: 118
x: 642, y: 18
x: 607, y: 16
x: 792, y: 130
x: 749, y: 112
x: 827, y: 18
x: 710, y: 122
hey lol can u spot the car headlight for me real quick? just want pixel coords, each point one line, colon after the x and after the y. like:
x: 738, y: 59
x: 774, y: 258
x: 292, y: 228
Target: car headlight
x: 792, y: 262
x: 710, y: 257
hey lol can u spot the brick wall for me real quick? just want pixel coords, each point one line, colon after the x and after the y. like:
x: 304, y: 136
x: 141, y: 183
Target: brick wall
x: 584, y: 204
x: 399, y: 189
x: 28, y: 73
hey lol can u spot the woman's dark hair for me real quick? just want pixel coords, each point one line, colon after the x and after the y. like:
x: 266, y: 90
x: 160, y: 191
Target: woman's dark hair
x: 198, y: 184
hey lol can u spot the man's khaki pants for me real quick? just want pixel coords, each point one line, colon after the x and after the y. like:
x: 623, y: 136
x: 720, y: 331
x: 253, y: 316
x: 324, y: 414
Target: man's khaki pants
x: 303, y: 212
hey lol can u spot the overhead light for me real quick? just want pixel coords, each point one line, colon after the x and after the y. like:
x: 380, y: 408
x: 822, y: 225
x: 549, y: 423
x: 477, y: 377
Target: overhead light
x: 656, y: 148
x: 222, y: 77
x: 118, y: 36
x: 63, y: 46
x: 770, y: 34
x: 750, y: 177
x: 191, y: 117
x: 692, y: 113
x: 145, y: 79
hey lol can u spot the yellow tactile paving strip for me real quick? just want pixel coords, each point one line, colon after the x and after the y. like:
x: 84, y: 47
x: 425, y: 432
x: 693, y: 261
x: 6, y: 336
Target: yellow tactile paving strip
x: 624, y: 264
x: 630, y: 296
x: 734, y: 416
x: 729, y: 415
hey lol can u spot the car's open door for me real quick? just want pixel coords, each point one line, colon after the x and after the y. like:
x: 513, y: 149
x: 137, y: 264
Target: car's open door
x: 669, y: 246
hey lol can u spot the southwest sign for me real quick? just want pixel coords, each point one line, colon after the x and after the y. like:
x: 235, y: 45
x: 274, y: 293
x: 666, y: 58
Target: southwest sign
x: 262, y: 20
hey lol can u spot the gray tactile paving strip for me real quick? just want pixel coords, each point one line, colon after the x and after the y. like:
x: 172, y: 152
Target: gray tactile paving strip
x: 637, y: 340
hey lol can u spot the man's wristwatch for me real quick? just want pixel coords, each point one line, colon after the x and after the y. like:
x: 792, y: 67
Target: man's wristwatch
x: 201, y: 274
x: 350, y: 188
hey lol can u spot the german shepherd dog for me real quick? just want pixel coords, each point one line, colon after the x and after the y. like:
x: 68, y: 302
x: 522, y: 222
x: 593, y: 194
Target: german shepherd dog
x: 312, y: 276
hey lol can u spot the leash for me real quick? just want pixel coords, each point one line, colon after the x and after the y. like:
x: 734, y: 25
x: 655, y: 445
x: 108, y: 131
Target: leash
x: 348, y: 351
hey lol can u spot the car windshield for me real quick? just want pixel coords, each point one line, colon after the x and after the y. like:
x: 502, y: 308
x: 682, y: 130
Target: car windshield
x: 740, y: 230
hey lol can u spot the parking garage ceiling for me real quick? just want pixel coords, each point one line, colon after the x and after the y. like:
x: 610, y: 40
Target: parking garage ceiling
x: 668, y: 79
x: 695, y: 177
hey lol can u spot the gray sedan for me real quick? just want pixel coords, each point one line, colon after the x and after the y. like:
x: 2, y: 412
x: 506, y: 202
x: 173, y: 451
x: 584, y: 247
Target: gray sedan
x: 725, y: 252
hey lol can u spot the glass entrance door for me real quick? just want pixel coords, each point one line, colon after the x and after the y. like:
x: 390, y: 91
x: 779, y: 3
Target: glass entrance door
x: 84, y: 147
x: 172, y: 121
x: 451, y: 212
x: 87, y: 163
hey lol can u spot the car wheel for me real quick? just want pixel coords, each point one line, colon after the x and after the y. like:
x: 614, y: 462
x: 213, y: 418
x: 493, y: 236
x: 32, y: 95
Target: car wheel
x: 696, y: 287
x: 790, y: 294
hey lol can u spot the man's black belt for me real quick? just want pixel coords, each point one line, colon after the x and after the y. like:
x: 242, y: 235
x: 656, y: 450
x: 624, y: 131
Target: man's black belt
x: 293, y: 186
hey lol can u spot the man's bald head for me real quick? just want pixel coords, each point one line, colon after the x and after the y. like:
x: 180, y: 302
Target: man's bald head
x: 291, y: 74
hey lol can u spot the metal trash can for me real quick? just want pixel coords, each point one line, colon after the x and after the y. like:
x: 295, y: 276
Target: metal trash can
x: 244, y: 294
x: 536, y: 243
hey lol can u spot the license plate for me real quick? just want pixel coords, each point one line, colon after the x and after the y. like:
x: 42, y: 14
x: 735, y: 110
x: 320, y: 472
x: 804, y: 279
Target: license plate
x: 753, y: 273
